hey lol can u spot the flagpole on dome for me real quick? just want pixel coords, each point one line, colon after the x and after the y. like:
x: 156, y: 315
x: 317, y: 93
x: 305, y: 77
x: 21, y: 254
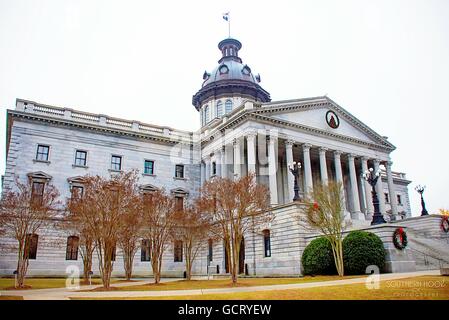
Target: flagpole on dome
x: 227, y: 18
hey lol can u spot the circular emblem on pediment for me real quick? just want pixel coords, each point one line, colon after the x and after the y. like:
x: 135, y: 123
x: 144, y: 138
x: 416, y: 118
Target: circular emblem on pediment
x: 332, y: 119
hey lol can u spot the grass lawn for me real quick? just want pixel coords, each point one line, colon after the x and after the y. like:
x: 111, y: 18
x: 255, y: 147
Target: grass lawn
x: 11, y: 298
x: 416, y: 288
x: 223, y: 283
x: 43, y: 283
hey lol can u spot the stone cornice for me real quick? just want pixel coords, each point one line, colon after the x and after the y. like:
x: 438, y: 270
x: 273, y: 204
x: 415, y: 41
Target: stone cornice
x: 98, y: 128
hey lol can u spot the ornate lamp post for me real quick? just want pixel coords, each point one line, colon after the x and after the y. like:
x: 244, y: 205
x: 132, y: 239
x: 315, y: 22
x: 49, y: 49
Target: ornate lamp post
x: 420, y: 189
x: 372, y: 178
x: 295, y: 171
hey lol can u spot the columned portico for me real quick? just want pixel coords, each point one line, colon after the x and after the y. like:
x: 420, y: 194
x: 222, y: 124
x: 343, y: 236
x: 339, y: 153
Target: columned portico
x: 308, y: 183
x: 272, y: 170
x: 391, y: 191
x: 289, y: 163
x: 355, y: 200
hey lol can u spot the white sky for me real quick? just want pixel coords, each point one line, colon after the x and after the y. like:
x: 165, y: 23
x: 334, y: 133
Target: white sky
x: 386, y: 62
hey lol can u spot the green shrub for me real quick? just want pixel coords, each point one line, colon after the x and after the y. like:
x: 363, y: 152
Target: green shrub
x: 361, y: 249
x: 317, y: 258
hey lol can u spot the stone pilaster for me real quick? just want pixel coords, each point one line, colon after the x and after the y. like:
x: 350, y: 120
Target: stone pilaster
x: 307, y: 168
x: 291, y: 178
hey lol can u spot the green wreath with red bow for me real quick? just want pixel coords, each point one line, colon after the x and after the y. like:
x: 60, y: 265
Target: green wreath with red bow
x: 400, y: 238
x: 445, y: 224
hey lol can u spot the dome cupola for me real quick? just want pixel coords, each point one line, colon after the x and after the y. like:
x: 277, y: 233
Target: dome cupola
x: 230, y: 78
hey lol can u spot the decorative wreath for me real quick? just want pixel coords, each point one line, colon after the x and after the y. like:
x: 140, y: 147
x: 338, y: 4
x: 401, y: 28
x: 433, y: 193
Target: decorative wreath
x: 445, y: 224
x: 400, y: 238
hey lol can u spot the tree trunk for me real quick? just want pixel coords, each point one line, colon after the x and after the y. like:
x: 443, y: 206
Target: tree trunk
x: 22, y: 264
x: 128, y: 262
x: 155, y: 267
x: 87, y: 264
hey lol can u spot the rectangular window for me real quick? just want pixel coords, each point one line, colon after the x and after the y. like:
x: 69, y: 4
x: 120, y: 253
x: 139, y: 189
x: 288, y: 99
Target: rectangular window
x: 399, y: 199
x: 145, y: 250
x: 42, y: 152
x: 37, y: 193
x: 31, y: 246
x: 148, y: 167
x: 210, y: 256
x: 179, y: 203
x: 81, y: 158
x: 72, y: 248
x: 179, y: 171
x: 214, y: 168
x: 267, y: 243
x: 116, y: 163
x: 387, y: 199
x: 178, y: 251
x: 77, y: 192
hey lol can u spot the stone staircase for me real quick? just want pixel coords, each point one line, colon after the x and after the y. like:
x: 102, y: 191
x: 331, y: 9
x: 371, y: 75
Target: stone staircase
x: 429, y: 252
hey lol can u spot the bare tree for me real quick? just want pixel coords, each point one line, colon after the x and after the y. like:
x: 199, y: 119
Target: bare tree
x: 101, y: 211
x: 236, y: 206
x: 24, y: 210
x: 158, y: 221
x: 129, y: 236
x: 193, y: 228
x: 324, y: 212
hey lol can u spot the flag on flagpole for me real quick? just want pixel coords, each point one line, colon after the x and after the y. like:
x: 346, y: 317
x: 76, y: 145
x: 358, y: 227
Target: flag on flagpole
x: 226, y: 16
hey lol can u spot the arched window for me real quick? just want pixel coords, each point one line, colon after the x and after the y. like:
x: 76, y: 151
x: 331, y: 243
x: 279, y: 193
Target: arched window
x: 206, y: 115
x: 228, y: 106
x: 219, y: 108
x: 267, y: 243
x: 72, y: 248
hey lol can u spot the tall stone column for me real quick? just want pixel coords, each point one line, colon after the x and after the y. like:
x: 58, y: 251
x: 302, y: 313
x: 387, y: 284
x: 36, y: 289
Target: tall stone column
x: 339, y: 176
x: 391, y: 191
x: 291, y: 178
x: 272, y: 166
x: 323, y: 165
x: 380, y: 189
x: 218, y: 162
x: 368, y: 190
x: 237, y: 167
x: 203, y: 172
x: 355, y: 200
x: 207, y: 162
x: 251, y: 150
x: 224, y: 164
x: 307, y: 168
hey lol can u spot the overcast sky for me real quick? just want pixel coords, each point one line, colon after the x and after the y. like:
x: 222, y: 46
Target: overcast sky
x: 386, y: 62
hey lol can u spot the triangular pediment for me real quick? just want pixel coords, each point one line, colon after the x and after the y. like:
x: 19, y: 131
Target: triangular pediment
x: 39, y: 175
x: 180, y: 191
x: 325, y: 117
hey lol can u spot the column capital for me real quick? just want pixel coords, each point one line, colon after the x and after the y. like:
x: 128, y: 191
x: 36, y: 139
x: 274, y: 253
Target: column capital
x: 218, y: 151
x: 388, y: 164
x: 337, y: 153
x: 235, y: 141
x: 365, y: 158
x: 323, y: 149
x: 289, y: 143
x: 352, y: 156
x: 306, y: 146
x: 376, y: 162
x: 250, y: 134
x: 271, y: 139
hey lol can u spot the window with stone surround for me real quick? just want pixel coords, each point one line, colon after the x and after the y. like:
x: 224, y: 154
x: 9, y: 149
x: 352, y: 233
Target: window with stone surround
x: 72, y: 248
x: 116, y: 163
x: 177, y: 250
x: 148, y: 167
x: 399, y: 199
x: 179, y: 171
x: 42, y: 153
x: 145, y: 250
x: 31, y: 241
x: 267, y: 243
x: 80, y: 158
